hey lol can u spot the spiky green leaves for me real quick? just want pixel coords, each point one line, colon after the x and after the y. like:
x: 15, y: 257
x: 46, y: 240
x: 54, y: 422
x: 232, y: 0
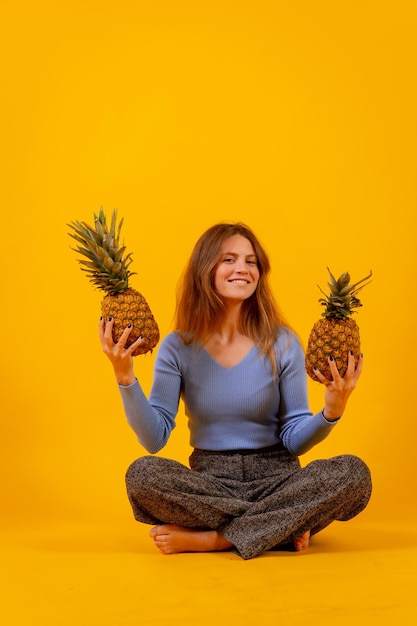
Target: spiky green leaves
x: 342, y: 300
x: 107, y: 265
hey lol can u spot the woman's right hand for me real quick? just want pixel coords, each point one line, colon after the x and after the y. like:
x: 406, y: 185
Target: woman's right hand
x: 119, y: 356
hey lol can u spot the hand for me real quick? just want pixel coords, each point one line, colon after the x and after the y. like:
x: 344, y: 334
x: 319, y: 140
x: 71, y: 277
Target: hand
x: 120, y: 356
x: 339, y: 389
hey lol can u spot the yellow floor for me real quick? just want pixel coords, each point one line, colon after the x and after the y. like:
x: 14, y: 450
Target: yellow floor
x: 357, y: 573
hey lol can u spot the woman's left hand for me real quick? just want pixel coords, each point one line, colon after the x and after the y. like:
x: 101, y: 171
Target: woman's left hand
x: 339, y: 389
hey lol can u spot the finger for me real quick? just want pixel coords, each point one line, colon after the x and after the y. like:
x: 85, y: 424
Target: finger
x: 351, y: 366
x: 353, y: 369
x: 108, y: 326
x: 101, y: 329
x: 107, y: 340
x: 359, y: 366
x: 325, y: 381
x: 333, y: 368
x: 124, y: 336
x: 141, y: 339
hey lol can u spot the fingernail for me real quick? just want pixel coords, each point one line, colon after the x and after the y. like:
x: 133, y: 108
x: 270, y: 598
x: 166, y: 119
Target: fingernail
x: 129, y: 325
x: 331, y: 358
x: 351, y: 352
x: 101, y: 318
x: 141, y: 337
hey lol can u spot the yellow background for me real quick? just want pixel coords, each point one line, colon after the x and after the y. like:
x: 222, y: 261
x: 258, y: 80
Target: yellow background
x: 297, y: 118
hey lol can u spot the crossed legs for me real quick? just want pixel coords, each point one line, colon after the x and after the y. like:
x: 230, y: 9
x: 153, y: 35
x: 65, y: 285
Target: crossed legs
x: 195, y: 511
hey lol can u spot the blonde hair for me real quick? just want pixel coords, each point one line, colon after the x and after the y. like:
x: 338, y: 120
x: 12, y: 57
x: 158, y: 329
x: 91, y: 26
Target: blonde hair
x: 200, y: 308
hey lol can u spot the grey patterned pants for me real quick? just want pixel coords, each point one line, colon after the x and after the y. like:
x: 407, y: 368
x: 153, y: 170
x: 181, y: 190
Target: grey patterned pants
x: 256, y: 500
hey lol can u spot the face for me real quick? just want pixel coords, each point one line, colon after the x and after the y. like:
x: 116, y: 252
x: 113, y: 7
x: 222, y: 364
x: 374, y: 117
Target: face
x: 236, y: 275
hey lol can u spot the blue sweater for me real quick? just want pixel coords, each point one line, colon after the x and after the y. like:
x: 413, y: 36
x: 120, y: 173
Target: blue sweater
x: 228, y: 408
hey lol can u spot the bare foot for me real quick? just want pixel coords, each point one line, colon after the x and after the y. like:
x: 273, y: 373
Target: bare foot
x: 172, y: 539
x: 302, y: 542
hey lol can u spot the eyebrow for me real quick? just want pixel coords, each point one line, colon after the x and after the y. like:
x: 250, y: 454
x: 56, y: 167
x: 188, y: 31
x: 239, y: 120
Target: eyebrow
x: 234, y: 254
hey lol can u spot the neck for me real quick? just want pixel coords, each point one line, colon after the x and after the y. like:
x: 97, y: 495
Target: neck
x: 228, y: 326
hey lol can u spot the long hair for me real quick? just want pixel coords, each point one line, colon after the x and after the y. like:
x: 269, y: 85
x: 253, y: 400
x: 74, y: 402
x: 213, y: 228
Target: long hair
x: 200, y: 308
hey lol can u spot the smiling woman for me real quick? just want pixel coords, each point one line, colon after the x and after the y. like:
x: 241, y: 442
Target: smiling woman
x: 203, y: 313
x: 240, y: 370
x: 237, y: 274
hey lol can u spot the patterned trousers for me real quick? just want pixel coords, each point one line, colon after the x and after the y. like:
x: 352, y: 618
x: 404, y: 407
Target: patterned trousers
x: 257, y: 500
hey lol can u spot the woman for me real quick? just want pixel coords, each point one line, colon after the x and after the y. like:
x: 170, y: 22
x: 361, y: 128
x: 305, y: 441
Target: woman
x: 240, y: 371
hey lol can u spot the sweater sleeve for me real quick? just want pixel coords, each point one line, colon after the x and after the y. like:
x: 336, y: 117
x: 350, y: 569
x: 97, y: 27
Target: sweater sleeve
x: 300, y: 430
x: 153, y: 420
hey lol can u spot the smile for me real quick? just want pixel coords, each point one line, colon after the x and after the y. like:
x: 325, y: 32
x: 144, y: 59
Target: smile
x: 239, y: 282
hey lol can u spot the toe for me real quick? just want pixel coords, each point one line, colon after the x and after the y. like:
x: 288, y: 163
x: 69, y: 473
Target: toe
x: 302, y: 542
x: 155, y: 531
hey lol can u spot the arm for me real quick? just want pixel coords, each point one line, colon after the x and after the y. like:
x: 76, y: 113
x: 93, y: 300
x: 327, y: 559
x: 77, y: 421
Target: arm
x: 300, y: 429
x: 152, y: 420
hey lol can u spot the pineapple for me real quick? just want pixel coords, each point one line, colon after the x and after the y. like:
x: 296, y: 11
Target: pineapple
x: 107, y: 268
x: 337, y: 334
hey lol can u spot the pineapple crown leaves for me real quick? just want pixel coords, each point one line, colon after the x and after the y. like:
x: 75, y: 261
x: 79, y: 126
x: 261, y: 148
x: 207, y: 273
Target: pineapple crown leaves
x: 343, y: 296
x: 107, y: 267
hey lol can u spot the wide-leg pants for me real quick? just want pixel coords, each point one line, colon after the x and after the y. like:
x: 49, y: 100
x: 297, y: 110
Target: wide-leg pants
x: 257, y: 500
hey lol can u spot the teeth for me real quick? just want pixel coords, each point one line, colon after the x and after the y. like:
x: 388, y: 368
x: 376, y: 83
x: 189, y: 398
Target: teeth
x: 240, y: 282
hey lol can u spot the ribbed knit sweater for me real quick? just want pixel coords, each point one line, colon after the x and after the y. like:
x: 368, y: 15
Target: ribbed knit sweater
x: 228, y: 408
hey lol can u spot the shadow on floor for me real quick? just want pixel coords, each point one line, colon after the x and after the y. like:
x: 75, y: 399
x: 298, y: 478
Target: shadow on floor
x: 340, y: 537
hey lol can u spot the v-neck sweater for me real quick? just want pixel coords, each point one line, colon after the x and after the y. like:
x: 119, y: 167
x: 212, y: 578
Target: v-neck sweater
x: 228, y: 408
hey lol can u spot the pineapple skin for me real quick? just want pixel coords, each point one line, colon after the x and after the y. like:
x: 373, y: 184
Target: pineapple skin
x: 130, y: 307
x: 332, y: 337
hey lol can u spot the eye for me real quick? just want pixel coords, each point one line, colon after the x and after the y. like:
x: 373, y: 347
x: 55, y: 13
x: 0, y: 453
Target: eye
x: 228, y: 260
x: 252, y: 262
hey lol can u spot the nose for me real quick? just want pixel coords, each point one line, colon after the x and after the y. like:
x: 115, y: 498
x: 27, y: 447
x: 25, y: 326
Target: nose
x: 241, y: 266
